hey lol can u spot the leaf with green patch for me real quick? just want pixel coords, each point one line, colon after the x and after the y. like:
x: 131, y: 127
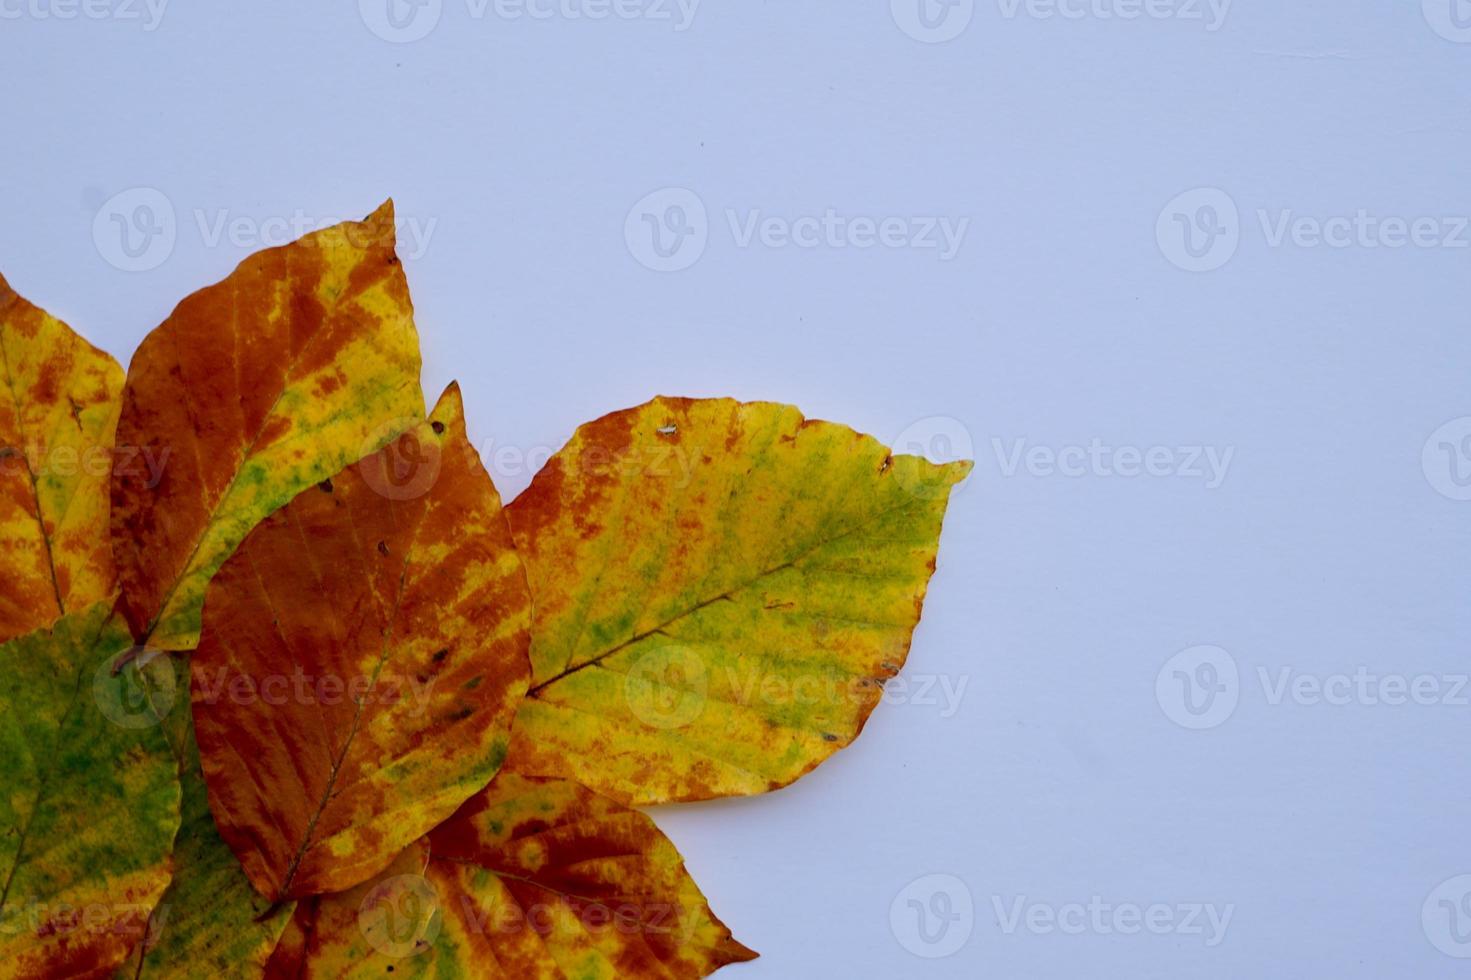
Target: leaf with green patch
x: 301, y: 362
x: 90, y: 804
x: 59, y: 400
x: 722, y: 590
x: 210, y: 922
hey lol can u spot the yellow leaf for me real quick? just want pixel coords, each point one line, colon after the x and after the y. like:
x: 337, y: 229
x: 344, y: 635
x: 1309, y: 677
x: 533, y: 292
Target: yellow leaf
x: 59, y: 399
x: 721, y: 591
x: 301, y: 362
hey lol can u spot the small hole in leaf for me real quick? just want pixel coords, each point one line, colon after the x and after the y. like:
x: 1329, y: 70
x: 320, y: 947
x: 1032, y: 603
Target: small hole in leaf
x: 383, y: 548
x: 668, y: 430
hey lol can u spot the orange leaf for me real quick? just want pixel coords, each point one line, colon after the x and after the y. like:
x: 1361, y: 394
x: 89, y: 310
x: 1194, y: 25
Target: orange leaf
x: 301, y: 362
x: 362, y: 658
x: 531, y: 880
x: 58, y: 410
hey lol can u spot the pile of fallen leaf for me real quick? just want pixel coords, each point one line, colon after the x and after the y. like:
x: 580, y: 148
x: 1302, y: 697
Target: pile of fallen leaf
x: 288, y: 692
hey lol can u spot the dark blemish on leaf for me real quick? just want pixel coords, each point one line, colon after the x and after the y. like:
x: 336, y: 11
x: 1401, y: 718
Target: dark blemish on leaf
x: 460, y: 714
x: 438, y: 428
x: 829, y: 737
x: 383, y: 548
x: 472, y: 683
x: 325, y: 486
x: 888, y: 461
x: 439, y: 657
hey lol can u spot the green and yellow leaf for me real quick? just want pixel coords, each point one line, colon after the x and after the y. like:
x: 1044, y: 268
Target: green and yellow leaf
x: 301, y: 362
x: 90, y: 803
x: 362, y: 658
x: 721, y: 591
x: 210, y: 922
x: 531, y: 880
x: 59, y: 399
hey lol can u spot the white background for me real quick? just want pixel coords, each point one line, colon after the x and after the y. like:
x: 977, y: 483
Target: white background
x: 1065, y: 317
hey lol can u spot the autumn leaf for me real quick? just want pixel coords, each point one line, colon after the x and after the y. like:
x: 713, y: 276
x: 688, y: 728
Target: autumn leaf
x: 301, y: 362
x: 531, y: 880
x: 58, y: 410
x: 91, y: 800
x: 362, y: 658
x: 722, y: 590
x: 210, y: 922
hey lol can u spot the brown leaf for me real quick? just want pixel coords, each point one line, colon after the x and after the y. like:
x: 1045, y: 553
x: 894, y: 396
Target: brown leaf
x: 303, y: 361
x: 531, y: 880
x: 362, y: 658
